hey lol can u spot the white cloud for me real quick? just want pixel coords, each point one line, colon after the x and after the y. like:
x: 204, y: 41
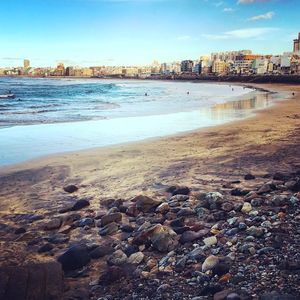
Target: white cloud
x: 228, y: 9
x: 267, y: 16
x: 246, y: 33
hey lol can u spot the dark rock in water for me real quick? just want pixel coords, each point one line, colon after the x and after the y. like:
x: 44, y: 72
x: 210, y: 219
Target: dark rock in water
x: 249, y: 177
x: 58, y: 238
x: 80, y: 204
x: 181, y: 190
x: 145, y: 204
x: 190, y: 236
x: 45, y: 248
x: 276, y: 296
x: 101, y: 251
x: 20, y: 230
x: 239, y: 192
x: 70, y: 188
x: 111, y: 275
x: 75, y: 257
x: 109, y: 229
x: 114, y: 217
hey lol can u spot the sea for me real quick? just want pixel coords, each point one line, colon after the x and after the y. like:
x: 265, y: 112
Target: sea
x: 50, y: 115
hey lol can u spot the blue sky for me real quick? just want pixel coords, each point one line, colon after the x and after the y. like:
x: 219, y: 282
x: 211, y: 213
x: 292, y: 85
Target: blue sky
x: 135, y: 32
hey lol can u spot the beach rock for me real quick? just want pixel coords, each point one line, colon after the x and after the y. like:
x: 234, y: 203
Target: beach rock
x: 276, y: 296
x: 181, y: 190
x: 239, y: 192
x: 79, y: 204
x: 111, y: 275
x: 222, y: 295
x: 209, y: 263
x: 58, y: 238
x: 189, y: 236
x: 109, y: 229
x: 75, y: 257
x: 210, y: 241
x: 45, y: 248
x: 247, y: 207
x: 70, y: 188
x: 279, y: 200
x: 136, y: 258
x: 221, y: 267
x: 227, y: 206
x: 145, y: 204
x: 114, y: 217
x: 183, y: 212
x: 163, y: 208
x: 233, y: 296
x: 214, y: 199
x: 163, y: 238
x: 117, y: 258
x: 53, y: 224
x: 255, y: 231
x: 20, y: 230
x: 132, y: 211
x: 86, y: 222
x: 249, y: 177
x: 179, y: 198
x: 281, y: 176
x: 101, y: 251
x: 266, y: 188
x: 127, y: 228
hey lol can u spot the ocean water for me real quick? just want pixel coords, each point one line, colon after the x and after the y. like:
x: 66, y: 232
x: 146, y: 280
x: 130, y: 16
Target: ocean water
x: 57, y: 115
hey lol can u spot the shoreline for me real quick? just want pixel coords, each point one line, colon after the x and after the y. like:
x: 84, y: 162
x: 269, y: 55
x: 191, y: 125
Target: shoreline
x: 255, y: 87
x: 234, y: 107
x: 74, y: 161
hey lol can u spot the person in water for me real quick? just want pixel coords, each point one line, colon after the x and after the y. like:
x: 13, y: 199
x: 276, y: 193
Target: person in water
x: 188, y: 93
x: 146, y: 94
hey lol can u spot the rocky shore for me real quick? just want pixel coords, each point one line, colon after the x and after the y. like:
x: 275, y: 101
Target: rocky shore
x: 240, y: 241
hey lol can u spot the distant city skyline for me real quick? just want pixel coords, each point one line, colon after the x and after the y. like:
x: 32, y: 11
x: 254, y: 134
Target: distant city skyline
x: 135, y: 32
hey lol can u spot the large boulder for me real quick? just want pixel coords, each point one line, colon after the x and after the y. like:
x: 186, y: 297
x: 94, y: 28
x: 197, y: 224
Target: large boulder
x: 145, y: 203
x: 75, y: 257
x: 162, y: 238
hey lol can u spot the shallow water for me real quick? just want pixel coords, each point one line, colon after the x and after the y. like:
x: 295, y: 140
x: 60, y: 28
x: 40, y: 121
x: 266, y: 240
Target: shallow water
x: 69, y: 115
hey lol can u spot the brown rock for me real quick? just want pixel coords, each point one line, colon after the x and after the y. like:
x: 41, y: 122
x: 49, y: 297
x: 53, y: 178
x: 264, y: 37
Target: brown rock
x: 114, y: 217
x: 145, y: 204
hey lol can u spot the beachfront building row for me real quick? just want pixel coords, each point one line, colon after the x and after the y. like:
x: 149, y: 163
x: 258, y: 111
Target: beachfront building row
x: 242, y: 62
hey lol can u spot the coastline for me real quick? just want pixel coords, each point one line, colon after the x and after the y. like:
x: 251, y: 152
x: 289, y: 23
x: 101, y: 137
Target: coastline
x: 150, y: 164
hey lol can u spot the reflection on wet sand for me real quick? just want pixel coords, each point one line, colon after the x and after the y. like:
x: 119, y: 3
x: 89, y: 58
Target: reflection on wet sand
x: 240, y: 108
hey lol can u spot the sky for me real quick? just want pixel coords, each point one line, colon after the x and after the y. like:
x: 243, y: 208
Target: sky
x: 136, y: 32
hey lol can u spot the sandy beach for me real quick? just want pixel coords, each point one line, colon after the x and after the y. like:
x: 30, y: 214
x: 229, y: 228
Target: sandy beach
x: 37, y: 227
x: 265, y: 143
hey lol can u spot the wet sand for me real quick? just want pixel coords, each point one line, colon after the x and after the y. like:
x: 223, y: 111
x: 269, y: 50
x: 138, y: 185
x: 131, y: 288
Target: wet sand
x: 267, y: 142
